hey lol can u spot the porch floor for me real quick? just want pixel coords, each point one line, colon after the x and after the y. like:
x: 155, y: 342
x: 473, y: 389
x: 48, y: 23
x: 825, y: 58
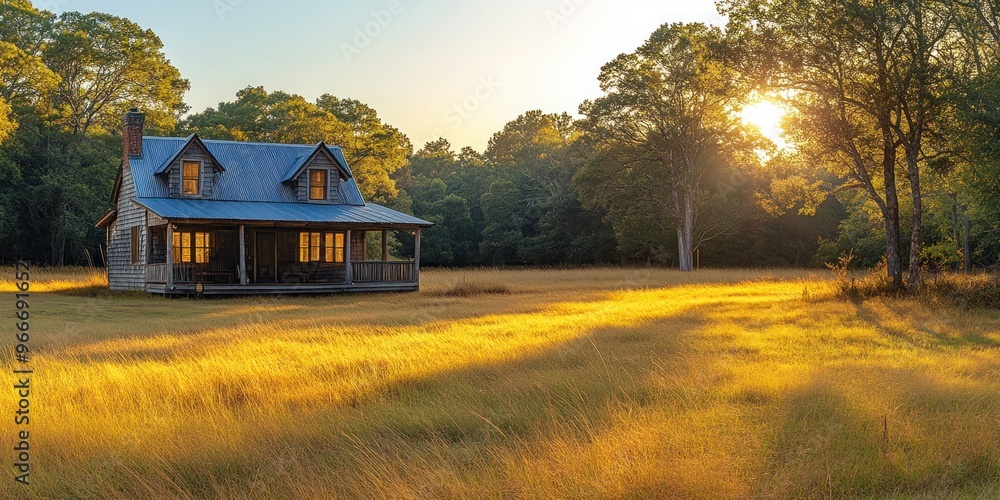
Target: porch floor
x: 281, y: 288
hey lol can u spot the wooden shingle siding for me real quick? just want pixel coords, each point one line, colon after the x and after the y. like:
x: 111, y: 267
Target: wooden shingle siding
x: 358, y: 248
x: 122, y: 273
x: 320, y: 162
x: 193, y: 152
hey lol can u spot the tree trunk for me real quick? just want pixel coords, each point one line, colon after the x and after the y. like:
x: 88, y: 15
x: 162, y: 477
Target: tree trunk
x: 892, y: 254
x: 685, y: 233
x: 916, y: 242
x: 968, y: 246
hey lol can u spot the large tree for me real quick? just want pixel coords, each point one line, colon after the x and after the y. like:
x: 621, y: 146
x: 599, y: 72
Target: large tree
x: 24, y: 78
x: 667, y: 121
x: 107, y: 65
x: 866, y: 79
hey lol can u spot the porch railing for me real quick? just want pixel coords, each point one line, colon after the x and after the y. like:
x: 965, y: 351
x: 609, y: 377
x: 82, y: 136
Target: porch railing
x: 381, y: 272
x: 361, y: 272
x: 156, y: 273
x: 191, y: 273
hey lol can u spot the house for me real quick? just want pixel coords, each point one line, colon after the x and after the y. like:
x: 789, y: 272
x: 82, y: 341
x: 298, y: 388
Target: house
x: 197, y: 216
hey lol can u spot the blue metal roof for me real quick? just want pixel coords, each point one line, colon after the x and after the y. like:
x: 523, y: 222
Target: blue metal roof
x: 191, y: 209
x: 253, y: 171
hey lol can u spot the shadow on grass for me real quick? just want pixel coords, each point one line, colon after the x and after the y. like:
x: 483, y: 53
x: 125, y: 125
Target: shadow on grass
x: 834, y: 440
x: 952, y: 339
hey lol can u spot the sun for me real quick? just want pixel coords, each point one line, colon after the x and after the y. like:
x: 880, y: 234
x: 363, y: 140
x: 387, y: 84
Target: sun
x: 766, y: 116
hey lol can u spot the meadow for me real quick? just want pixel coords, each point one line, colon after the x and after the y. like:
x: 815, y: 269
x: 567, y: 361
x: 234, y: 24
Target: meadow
x: 628, y: 383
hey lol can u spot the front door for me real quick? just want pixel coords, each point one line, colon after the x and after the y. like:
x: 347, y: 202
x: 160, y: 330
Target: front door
x: 265, y: 262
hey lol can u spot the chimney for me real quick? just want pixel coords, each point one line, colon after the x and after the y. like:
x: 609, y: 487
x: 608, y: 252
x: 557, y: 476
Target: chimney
x: 132, y: 124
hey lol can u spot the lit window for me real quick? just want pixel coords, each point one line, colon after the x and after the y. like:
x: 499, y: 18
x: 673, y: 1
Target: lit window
x: 338, y: 255
x: 202, y: 247
x: 321, y: 247
x: 314, y: 247
x: 317, y: 184
x: 192, y: 247
x: 303, y: 247
x: 191, y: 178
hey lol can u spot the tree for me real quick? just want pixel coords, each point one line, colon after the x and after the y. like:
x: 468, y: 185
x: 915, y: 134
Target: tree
x: 502, y: 234
x: 106, y: 65
x: 860, y: 74
x: 667, y: 119
x: 920, y: 76
x: 24, y: 78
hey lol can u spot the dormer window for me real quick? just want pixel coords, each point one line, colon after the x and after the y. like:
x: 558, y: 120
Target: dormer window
x: 191, y: 178
x: 317, y: 185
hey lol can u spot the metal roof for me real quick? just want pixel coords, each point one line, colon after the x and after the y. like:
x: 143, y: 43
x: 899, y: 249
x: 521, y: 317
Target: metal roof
x: 253, y: 171
x: 191, y: 209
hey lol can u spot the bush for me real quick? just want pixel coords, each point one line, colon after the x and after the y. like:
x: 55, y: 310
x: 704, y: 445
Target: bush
x: 980, y: 290
x: 874, y: 282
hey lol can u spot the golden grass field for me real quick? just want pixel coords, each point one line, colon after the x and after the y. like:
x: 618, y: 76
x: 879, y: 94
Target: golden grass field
x: 560, y: 384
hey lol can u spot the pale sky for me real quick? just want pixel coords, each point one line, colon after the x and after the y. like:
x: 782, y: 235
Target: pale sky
x: 432, y: 68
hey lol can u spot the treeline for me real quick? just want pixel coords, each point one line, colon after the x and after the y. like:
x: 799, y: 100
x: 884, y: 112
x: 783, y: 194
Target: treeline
x: 892, y: 123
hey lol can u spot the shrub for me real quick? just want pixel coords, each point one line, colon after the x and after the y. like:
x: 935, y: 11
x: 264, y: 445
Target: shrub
x: 980, y: 290
x: 874, y: 282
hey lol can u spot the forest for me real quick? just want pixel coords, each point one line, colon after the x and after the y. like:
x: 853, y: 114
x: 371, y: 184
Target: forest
x: 892, y: 128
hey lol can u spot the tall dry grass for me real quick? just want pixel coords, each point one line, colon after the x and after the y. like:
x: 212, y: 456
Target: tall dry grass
x: 602, y: 382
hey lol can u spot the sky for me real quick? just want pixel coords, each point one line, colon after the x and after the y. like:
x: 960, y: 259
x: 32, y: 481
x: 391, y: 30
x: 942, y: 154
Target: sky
x: 431, y: 68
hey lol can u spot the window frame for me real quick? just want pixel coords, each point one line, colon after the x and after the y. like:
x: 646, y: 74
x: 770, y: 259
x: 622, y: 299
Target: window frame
x: 134, y: 244
x: 322, y: 247
x: 196, y: 180
x: 325, y: 187
x: 188, y: 243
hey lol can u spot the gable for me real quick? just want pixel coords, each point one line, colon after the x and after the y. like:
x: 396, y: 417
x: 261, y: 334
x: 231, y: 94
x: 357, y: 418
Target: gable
x: 334, y: 177
x: 194, y: 148
x: 321, y: 155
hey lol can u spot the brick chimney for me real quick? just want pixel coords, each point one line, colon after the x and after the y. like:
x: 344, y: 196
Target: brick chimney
x: 132, y: 124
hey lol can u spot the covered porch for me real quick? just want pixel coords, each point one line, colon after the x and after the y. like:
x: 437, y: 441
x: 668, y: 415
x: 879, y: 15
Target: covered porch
x: 185, y: 258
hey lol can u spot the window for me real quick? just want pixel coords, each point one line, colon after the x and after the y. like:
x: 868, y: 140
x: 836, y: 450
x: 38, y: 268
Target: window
x: 201, y: 247
x: 192, y: 247
x: 135, y: 244
x: 317, y: 185
x: 321, y: 247
x: 191, y: 178
x: 334, y: 247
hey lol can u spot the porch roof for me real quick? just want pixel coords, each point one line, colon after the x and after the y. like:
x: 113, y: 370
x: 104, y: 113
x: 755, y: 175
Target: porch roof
x: 250, y: 211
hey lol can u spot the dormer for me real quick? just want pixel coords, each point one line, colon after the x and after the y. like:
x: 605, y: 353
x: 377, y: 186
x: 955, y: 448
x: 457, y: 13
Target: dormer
x: 316, y: 176
x: 191, y: 171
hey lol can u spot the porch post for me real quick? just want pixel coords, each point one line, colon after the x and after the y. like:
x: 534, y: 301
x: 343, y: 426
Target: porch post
x: 416, y: 257
x: 347, y: 256
x: 385, y: 246
x: 243, y: 256
x: 170, y: 255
